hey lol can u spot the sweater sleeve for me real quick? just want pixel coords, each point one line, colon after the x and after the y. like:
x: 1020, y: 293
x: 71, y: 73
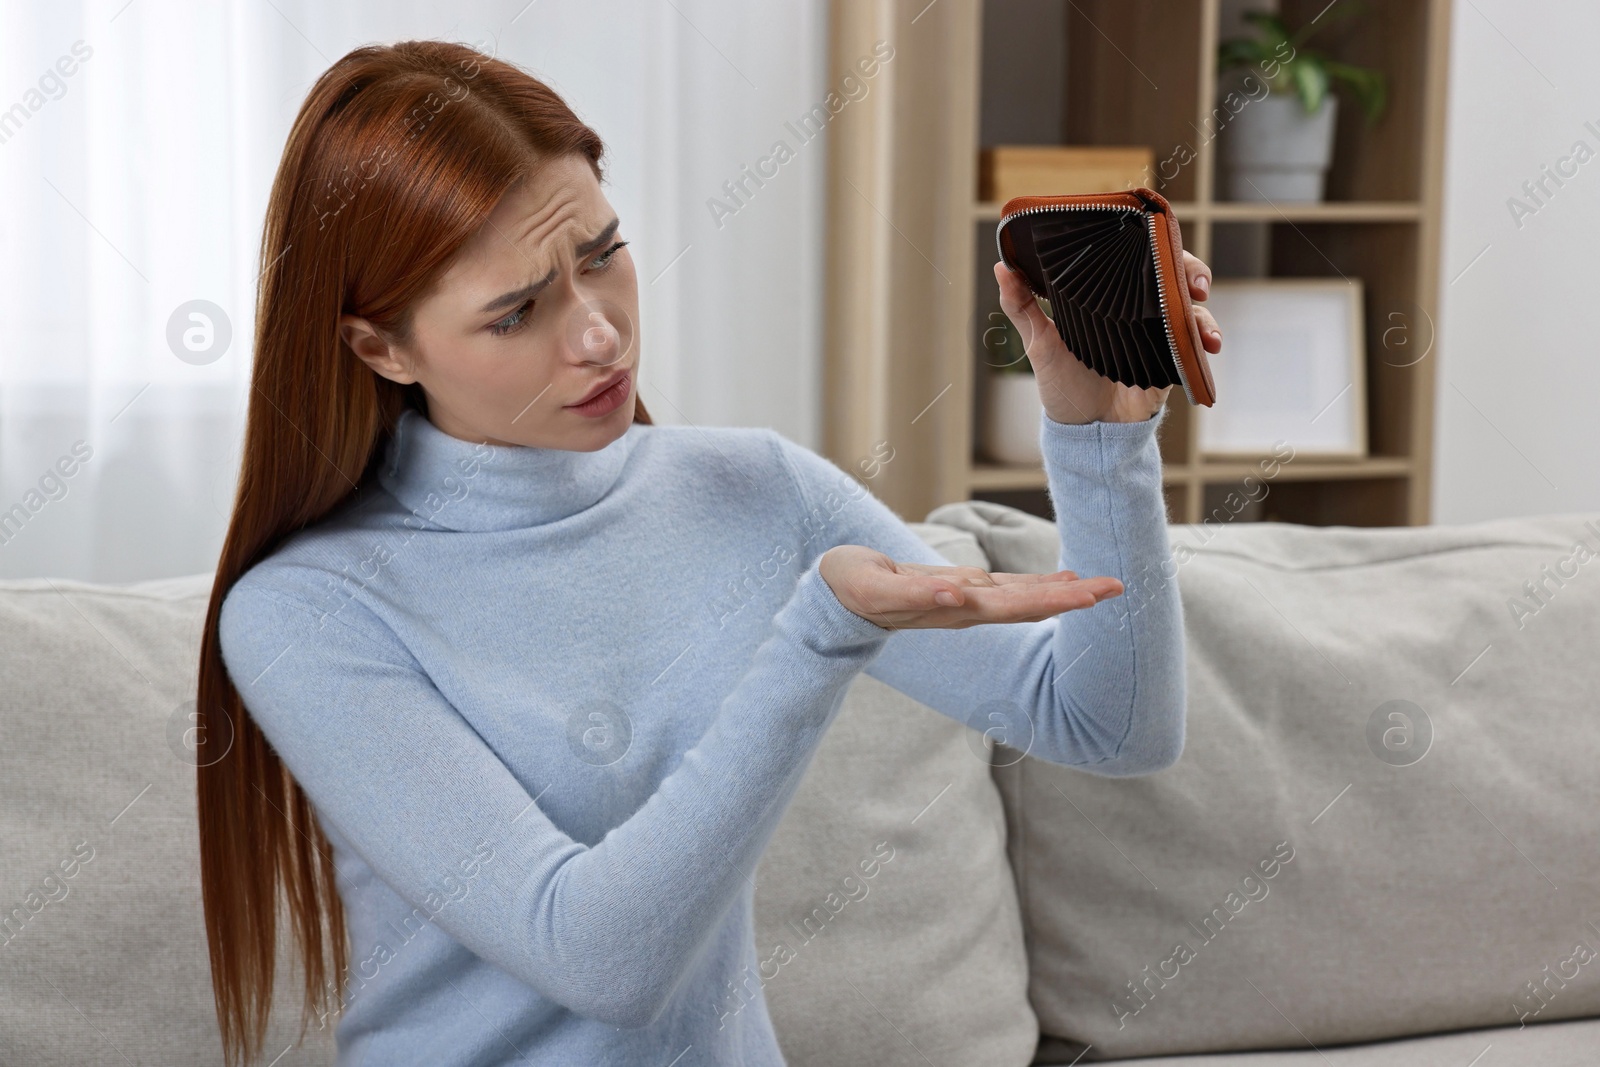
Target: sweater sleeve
x: 609, y: 930
x: 1099, y: 688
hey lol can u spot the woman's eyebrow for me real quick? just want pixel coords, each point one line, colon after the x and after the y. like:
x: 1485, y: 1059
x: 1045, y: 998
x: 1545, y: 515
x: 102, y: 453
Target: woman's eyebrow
x: 596, y: 241
x: 528, y: 292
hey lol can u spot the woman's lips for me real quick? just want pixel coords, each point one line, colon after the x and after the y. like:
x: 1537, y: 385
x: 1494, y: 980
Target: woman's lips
x: 610, y: 398
x: 602, y: 387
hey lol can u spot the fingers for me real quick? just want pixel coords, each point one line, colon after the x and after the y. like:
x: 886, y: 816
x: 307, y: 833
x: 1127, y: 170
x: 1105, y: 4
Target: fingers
x: 1015, y: 601
x: 1199, y: 288
x: 1199, y: 276
x: 1019, y: 304
x: 966, y: 575
x: 971, y: 574
x: 1007, y: 578
x: 977, y: 575
x: 1035, y: 602
x: 1210, y: 332
x: 890, y: 593
x: 1014, y: 292
x: 938, y: 586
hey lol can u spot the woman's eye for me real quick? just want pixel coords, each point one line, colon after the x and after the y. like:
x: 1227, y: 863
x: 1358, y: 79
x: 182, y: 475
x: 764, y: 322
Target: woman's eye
x: 513, y: 321
x: 603, y: 261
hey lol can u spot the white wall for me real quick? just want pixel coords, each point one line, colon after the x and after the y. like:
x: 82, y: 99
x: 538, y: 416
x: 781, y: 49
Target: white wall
x: 1517, y: 430
x: 142, y: 186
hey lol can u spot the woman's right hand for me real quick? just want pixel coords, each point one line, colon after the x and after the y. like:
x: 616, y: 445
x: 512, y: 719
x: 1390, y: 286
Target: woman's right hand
x: 905, y: 596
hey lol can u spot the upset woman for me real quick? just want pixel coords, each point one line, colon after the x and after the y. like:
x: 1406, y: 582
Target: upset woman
x: 515, y: 684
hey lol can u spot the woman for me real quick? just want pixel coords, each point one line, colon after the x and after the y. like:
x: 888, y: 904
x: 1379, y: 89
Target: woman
x: 517, y: 684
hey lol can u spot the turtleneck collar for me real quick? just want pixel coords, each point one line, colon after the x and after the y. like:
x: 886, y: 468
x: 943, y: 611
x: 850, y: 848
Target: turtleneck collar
x: 465, y: 485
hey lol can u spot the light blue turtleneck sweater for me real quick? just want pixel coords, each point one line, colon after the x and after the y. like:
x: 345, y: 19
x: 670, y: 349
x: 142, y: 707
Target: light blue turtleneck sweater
x: 550, y: 706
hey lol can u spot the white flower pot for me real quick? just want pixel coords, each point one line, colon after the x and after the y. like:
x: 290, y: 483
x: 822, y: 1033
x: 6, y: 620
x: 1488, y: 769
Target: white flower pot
x: 1273, y: 150
x: 1012, y: 410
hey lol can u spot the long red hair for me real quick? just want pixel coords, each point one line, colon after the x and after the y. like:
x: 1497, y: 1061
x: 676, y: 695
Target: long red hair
x: 396, y: 158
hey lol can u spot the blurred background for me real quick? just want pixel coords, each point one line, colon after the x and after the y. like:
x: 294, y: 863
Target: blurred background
x: 1403, y: 244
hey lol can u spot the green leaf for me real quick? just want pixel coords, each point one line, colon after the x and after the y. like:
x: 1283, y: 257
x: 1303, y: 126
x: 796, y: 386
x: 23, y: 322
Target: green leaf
x: 1310, y: 81
x: 1240, y: 52
x: 1370, y: 87
x: 1309, y: 72
x: 1272, y: 31
x: 1337, y: 11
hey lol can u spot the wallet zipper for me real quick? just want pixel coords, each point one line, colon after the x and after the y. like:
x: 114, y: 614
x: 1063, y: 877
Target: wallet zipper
x: 1161, y: 295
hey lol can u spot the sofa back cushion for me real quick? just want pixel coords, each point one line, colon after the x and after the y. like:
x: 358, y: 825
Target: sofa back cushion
x: 102, y: 945
x: 1383, y: 822
x: 886, y: 916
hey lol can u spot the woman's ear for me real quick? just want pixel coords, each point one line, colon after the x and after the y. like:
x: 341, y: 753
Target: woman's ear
x: 375, y: 350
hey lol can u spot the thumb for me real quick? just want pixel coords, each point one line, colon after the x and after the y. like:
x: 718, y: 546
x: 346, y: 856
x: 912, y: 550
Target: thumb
x: 1020, y: 305
x: 943, y: 593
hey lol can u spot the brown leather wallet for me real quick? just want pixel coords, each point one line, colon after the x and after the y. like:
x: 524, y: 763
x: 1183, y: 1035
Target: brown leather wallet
x: 1111, y: 265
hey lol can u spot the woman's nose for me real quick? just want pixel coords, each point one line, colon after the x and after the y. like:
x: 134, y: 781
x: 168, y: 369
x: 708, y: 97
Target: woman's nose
x: 599, y: 331
x: 599, y: 340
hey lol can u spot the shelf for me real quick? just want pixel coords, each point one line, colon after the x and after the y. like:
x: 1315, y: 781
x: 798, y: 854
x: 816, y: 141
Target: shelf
x: 1249, y: 211
x: 989, y: 210
x: 1006, y: 476
x: 1327, y: 211
x: 1002, y: 477
x: 1305, y: 470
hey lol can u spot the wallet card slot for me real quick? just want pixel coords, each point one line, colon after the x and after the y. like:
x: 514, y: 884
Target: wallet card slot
x: 1151, y: 357
x: 1104, y: 274
x: 1155, y: 332
x: 1130, y: 293
x: 1095, y: 259
x: 1138, y: 357
x: 1112, y: 344
x: 1100, y: 288
x: 1079, y: 335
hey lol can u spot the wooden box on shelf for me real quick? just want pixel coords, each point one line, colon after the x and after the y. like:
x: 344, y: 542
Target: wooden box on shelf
x: 1005, y: 171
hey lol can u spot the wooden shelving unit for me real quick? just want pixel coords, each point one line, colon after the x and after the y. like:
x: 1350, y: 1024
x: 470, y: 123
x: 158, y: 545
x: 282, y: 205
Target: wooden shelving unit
x: 911, y: 248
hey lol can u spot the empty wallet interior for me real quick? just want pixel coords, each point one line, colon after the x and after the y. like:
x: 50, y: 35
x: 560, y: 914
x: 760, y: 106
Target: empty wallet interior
x: 1097, y: 265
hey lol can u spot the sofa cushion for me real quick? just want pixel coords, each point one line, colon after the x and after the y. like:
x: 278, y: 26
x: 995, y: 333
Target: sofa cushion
x: 886, y: 916
x: 1562, y: 1044
x: 103, y: 949
x: 1383, y: 821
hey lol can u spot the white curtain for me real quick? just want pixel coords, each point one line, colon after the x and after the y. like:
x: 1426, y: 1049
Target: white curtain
x: 137, y: 145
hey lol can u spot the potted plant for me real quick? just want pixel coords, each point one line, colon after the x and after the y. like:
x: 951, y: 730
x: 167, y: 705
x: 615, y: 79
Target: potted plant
x: 1279, y: 141
x: 1012, y: 408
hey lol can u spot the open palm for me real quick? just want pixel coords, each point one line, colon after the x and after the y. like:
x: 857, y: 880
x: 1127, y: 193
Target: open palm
x: 903, y: 596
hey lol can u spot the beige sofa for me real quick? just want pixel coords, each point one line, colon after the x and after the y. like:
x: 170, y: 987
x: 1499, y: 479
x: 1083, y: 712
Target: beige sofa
x: 1379, y: 847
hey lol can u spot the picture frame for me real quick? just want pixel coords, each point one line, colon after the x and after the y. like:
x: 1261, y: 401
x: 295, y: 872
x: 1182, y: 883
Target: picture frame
x: 1292, y: 368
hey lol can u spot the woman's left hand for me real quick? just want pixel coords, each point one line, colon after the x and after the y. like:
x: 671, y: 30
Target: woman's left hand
x: 1069, y: 390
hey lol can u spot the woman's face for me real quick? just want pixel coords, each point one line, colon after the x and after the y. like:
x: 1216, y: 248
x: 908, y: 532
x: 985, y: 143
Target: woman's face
x: 537, y: 311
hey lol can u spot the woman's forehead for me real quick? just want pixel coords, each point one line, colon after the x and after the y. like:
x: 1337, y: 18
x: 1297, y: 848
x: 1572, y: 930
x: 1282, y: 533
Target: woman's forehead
x: 536, y: 227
